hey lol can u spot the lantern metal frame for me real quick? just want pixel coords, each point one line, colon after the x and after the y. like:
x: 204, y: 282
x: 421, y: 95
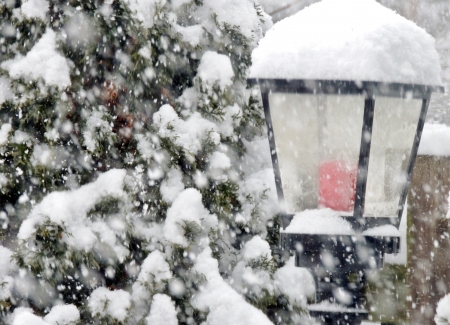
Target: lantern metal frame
x: 370, y: 90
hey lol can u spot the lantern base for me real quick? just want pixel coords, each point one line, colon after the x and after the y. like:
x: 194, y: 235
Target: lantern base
x: 338, y: 264
x: 348, y: 252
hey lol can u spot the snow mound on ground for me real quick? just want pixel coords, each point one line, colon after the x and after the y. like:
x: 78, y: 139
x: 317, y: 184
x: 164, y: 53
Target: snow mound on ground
x: 319, y: 222
x: 43, y: 61
x: 348, y: 40
x: 435, y: 140
x: 226, y: 306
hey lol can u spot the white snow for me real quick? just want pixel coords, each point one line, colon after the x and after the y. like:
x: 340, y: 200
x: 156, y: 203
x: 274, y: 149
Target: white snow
x: 42, y: 61
x: 41, y: 155
x: 4, y: 131
x: 385, y: 230
x: 7, y: 267
x: 231, y: 119
x: 20, y: 137
x: 63, y: 315
x: 70, y: 209
x: 162, y: 311
x: 247, y: 279
x: 191, y: 34
x: 347, y: 40
x: 95, y: 127
x: 189, y: 134
x: 269, y: 5
x: 225, y: 306
x: 178, y: 3
x: 342, y: 296
x: 144, y: 145
x: 216, y: 68
x: 256, y: 248
x: 145, y: 10
x: 296, y: 283
x: 35, y: 8
x: 146, y: 51
x: 153, y: 277
x: 319, y: 221
x: 24, y: 316
x: 435, y: 140
x: 155, y: 268
x: 80, y: 29
x: 6, y: 264
x: 235, y: 13
x: 5, y: 90
x: 219, y: 160
x: 3, y: 182
x: 106, y: 303
x: 258, y: 191
x: 442, y: 316
x: 254, y: 281
x: 59, y: 315
x: 187, y: 208
x: 258, y: 183
x: 172, y: 185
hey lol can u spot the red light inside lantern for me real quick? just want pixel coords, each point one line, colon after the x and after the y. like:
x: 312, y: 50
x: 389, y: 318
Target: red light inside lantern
x: 337, y: 185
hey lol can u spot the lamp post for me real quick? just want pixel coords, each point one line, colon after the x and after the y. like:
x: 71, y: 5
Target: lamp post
x: 344, y: 133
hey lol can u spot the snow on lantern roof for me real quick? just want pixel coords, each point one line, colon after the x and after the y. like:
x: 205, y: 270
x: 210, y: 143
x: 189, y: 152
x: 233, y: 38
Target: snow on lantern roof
x: 357, y: 40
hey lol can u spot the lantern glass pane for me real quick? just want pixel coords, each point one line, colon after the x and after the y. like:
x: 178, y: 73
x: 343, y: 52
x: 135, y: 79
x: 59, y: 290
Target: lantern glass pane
x: 317, y: 140
x: 394, y: 128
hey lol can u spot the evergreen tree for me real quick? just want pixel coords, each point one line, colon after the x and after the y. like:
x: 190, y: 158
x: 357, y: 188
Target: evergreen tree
x: 133, y: 189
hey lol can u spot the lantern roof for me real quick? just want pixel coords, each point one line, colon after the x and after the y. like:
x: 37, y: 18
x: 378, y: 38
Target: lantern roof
x: 356, y: 40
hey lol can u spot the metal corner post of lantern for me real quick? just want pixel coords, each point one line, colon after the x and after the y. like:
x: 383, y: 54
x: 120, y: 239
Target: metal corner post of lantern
x: 342, y: 150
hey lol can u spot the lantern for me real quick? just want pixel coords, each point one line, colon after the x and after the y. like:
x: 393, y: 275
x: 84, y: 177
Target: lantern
x: 345, y: 86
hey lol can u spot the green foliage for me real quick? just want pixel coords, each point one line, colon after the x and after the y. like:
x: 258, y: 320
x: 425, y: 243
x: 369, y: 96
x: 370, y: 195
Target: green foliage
x: 121, y: 73
x: 263, y: 263
x: 222, y: 199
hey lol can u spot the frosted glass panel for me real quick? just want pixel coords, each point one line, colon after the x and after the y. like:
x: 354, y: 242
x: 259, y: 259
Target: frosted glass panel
x: 318, y: 140
x: 394, y: 128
